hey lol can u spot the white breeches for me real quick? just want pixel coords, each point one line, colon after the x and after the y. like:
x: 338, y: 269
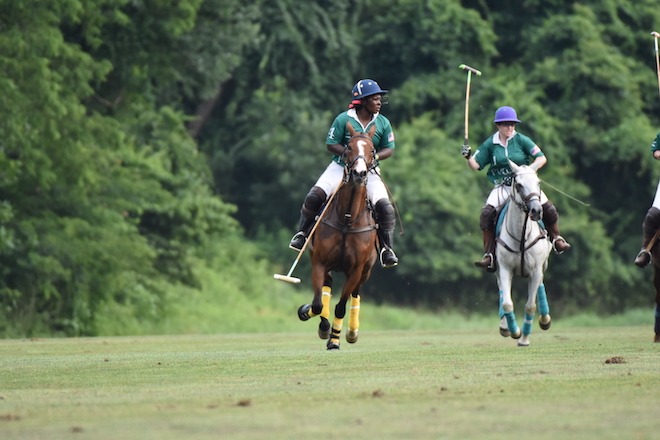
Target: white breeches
x: 500, y: 194
x: 656, y: 200
x: 334, y: 173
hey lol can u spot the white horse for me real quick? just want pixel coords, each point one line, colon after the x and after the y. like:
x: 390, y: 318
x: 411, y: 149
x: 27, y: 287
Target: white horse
x: 522, y: 250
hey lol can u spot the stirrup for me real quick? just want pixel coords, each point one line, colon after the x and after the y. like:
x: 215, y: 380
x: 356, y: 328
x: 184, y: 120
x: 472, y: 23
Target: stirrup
x: 488, y: 266
x: 392, y: 260
x: 554, y: 245
x: 643, y: 259
x: 298, y: 241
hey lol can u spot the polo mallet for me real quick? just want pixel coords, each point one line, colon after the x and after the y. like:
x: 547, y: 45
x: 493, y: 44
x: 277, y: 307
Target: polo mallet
x: 657, y: 59
x: 470, y: 71
x: 288, y: 278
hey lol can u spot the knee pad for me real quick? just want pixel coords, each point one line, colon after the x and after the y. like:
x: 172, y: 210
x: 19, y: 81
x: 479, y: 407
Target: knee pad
x: 488, y: 217
x: 550, y: 214
x: 385, y: 214
x: 652, y: 220
x: 314, y: 201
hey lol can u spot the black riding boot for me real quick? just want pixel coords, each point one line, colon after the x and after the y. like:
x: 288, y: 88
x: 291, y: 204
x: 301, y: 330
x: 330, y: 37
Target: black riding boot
x: 312, y: 205
x: 386, y: 223
x: 649, y: 227
x: 551, y: 218
x: 487, y: 221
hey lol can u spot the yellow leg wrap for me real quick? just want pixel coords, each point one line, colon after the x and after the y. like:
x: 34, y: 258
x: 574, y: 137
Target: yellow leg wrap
x: 325, y: 299
x: 354, y: 314
x: 337, y: 323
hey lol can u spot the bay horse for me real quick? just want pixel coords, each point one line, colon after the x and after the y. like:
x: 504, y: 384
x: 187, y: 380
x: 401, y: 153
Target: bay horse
x: 523, y: 249
x: 654, y: 247
x: 345, y: 241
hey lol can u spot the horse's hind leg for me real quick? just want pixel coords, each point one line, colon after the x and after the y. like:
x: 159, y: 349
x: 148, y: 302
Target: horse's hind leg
x: 545, y: 320
x: 504, y: 328
x: 337, y: 323
x: 353, y: 319
x: 656, y: 284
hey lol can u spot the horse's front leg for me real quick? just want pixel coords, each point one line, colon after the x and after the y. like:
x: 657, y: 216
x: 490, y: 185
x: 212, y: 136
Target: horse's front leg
x: 504, y: 281
x: 656, y: 284
x: 530, y: 307
x: 545, y: 320
x: 350, y: 286
x: 307, y: 311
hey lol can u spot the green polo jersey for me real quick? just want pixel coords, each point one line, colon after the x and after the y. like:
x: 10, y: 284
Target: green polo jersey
x: 338, y: 134
x: 520, y: 150
x: 655, y: 145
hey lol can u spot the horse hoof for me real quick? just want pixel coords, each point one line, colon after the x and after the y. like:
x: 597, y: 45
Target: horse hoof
x: 516, y: 335
x: 523, y: 344
x: 352, y: 336
x: 303, y: 312
x: 505, y: 332
x: 332, y: 345
x: 657, y: 338
x: 545, y: 325
x: 324, y: 330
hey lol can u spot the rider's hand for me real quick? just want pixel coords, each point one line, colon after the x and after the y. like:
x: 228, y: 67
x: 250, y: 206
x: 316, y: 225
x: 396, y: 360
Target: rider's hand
x: 466, y: 151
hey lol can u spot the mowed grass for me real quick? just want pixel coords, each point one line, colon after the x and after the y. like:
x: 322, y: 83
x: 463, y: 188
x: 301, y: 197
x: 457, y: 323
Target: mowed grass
x: 582, y: 383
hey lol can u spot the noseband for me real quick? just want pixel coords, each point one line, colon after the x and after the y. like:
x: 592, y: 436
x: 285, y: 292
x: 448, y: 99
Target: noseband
x: 526, y: 199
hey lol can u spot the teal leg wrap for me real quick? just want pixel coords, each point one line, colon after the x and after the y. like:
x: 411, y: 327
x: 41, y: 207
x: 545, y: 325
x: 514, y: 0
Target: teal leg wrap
x: 511, y: 322
x: 542, y: 300
x: 527, y: 324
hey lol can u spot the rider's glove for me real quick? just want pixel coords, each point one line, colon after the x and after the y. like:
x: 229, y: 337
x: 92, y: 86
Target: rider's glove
x: 466, y: 151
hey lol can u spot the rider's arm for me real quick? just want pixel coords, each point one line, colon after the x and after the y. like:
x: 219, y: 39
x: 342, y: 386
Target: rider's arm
x: 538, y: 163
x: 337, y: 149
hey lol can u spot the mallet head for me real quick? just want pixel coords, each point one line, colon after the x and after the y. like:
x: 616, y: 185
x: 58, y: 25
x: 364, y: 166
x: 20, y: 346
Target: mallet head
x: 655, y: 34
x: 470, y: 69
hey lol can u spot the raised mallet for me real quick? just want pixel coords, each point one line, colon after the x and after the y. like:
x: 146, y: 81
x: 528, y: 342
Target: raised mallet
x: 657, y: 59
x: 470, y: 71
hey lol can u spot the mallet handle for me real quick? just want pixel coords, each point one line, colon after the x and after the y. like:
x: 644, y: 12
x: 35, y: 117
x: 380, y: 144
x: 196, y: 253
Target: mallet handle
x: 657, y: 58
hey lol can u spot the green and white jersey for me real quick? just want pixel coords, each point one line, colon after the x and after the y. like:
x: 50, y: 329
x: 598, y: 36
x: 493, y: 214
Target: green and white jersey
x: 338, y: 134
x: 520, y: 149
x: 655, y: 145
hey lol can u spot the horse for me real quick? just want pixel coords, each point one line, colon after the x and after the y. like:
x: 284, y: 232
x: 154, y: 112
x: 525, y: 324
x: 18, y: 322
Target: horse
x: 654, y: 247
x: 523, y: 249
x: 345, y: 241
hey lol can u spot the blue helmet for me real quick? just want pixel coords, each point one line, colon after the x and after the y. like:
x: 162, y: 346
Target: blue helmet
x: 506, y: 114
x: 366, y: 87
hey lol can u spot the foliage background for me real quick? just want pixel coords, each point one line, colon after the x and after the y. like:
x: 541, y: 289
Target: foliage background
x: 154, y: 155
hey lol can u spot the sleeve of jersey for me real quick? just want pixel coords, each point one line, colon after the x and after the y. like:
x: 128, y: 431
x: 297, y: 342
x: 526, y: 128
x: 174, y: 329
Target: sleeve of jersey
x: 531, y: 147
x: 482, y: 155
x: 387, y: 138
x: 336, y: 132
x: 655, y: 145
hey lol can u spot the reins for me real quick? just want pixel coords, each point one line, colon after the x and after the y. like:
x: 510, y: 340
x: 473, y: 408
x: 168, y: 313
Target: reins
x: 524, y: 207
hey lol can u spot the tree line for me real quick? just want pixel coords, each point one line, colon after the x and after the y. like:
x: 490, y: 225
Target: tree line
x: 140, y: 141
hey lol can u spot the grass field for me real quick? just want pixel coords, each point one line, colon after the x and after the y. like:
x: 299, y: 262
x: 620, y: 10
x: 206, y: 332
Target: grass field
x: 575, y: 382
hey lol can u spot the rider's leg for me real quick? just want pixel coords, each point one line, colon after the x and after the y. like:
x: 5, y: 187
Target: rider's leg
x: 551, y: 219
x: 310, y: 208
x: 487, y: 224
x: 649, y: 227
x: 386, y: 218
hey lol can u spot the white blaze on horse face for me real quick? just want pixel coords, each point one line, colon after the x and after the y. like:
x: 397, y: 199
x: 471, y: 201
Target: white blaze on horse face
x: 361, y: 163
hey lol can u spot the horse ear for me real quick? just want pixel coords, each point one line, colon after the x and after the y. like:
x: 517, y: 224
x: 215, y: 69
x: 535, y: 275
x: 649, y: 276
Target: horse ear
x: 350, y: 129
x: 372, y: 131
x: 515, y: 168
